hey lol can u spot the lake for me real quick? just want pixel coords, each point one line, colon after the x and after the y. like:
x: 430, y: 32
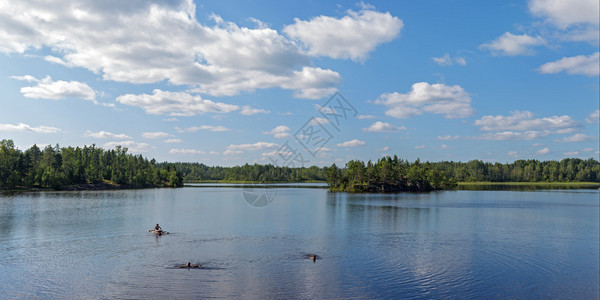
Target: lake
x: 449, y: 244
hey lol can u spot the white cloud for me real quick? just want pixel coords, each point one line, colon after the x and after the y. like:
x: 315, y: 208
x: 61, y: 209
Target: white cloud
x: 175, y: 103
x: 446, y: 60
x: 444, y: 146
x: 438, y: 98
x: 576, y: 20
x: 317, y: 121
x: 279, y: 132
x: 594, y: 117
x: 512, y: 45
x: 513, y: 135
x: 543, y: 151
x: 352, y: 36
x: 106, y: 135
x: 447, y: 137
x: 212, y: 128
x: 383, y: 127
x: 172, y: 141
x: 248, y: 111
x: 186, y: 151
x: 170, y: 120
x: 566, y: 13
x: 155, y: 135
x: 277, y: 153
x: 579, y: 137
x: 232, y: 152
x: 24, y: 127
x: 132, y: 146
x: 588, y: 149
x: 419, y: 147
x: 365, y: 117
x: 352, y: 143
x: 512, y: 153
x: 571, y: 153
x: 580, y: 65
x: 524, y: 120
x: 386, y: 148
x: 56, y: 90
x: 154, y: 41
x: 240, y: 148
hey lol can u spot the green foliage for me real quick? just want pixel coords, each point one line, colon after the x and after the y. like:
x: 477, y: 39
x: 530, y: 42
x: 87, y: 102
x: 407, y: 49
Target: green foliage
x: 387, y: 175
x: 58, y: 168
x: 194, y: 172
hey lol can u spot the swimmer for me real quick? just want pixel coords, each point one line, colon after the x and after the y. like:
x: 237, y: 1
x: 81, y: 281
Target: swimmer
x: 189, y: 265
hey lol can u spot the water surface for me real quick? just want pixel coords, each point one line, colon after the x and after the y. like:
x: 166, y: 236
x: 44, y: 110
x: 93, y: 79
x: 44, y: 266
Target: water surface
x: 451, y: 244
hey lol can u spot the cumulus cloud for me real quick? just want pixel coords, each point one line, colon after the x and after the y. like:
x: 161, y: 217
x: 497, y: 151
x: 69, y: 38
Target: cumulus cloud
x: 513, y: 135
x: 172, y: 141
x: 511, y: 45
x: 279, y: 132
x: 175, y: 103
x: 571, y: 153
x: 106, y: 135
x: 248, y: 111
x: 580, y: 65
x: 132, y: 146
x: 450, y: 101
x: 566, y: 13
x: 523, y: 125
x: 212, y: 128
x: 447, y: 137
x: 352, y: 36
x: 317, y: 121
x: 524, y: 120
x: 240, y: 148
x: 419, y: 147
x: 446, y: 60
x: 543, y: 151
x: 382, y: 127
x: 27, y: 128
x: 155, y: 135
x: 365, y: 117
x: 594, y: 117
x: 352, y: 143
x: 152, y: 41
x: 56, y: 90
x: 186, y: 151
x: 579, y: 137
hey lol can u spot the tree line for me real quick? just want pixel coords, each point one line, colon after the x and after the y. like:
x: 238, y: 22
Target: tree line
x: 59, y: 168
x: 56, y: 167
x: 387, y: 175
x: 565, y: 170
x: 198, y: 172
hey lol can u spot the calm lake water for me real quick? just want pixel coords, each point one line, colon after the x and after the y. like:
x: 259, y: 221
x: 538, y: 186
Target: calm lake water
x: 451, y: 244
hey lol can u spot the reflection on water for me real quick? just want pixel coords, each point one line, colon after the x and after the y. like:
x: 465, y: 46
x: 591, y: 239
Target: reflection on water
x: 453, y: 244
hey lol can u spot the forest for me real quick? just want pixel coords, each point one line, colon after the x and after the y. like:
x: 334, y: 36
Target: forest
x: 387, y: 175
x: 566, y: 170
x: 63, y: 168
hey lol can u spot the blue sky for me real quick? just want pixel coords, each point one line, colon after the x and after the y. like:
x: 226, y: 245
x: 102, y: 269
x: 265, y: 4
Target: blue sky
x: 230, y: 82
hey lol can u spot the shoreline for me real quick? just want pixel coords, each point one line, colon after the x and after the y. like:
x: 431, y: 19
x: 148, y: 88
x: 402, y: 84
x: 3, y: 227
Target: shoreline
x: 481, y: 185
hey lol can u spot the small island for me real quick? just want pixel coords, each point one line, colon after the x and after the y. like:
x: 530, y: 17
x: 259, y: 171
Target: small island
x: 387, y: 175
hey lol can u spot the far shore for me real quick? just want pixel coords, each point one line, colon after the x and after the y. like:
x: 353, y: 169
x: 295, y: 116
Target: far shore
x: 481, y: 185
